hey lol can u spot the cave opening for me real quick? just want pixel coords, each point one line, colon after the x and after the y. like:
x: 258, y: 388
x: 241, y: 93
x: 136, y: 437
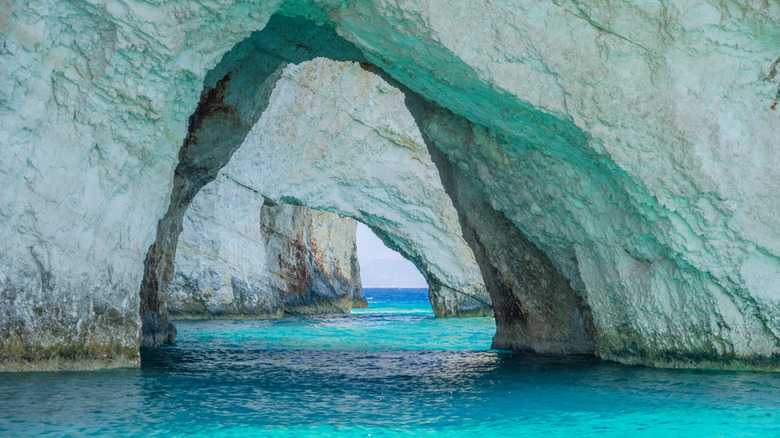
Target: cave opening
x: 297, y: 116
x: 243, y: 102
x: 381, y: 267
x: 385, y: 274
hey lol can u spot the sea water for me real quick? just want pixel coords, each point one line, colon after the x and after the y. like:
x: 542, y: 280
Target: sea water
x: 385, y: 371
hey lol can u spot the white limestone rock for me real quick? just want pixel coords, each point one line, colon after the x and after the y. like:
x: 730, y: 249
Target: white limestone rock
x: 239, y: 258
x: 634, y: 143
x: 94, y: 102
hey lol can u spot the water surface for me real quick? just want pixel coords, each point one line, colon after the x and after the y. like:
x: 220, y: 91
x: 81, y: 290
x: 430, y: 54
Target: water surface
x: 389, y: 370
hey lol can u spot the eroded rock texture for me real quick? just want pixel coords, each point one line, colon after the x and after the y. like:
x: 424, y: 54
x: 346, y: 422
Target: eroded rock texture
x: 632, y: 144
x: 237, y: 257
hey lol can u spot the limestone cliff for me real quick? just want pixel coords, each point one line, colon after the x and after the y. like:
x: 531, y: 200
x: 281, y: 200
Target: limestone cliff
x: 629, y: 149
x: 239, y: 258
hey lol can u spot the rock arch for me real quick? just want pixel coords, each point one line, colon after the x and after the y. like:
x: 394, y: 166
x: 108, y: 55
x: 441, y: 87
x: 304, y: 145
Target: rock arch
x: 312, y: 145
x: 403, y: 201
x: 629, y: 144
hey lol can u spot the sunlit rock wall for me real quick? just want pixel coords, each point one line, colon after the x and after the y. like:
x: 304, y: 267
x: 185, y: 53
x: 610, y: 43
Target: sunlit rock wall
x: 94, y: 103
x: 312, y: 259
x: 239, y: 258
x: 633, y: 143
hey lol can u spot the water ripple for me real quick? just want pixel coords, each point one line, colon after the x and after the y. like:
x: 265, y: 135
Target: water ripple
x: 391, y: 370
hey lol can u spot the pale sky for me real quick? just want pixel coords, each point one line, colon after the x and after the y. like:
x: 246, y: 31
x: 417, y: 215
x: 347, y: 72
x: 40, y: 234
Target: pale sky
x: 380, y: 266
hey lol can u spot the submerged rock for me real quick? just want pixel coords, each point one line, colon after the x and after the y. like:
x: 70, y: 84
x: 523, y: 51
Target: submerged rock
x: 237, y: 257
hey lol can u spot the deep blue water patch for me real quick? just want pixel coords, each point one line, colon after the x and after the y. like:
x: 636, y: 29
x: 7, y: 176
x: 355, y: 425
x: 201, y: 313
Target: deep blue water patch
x: 389, y: 370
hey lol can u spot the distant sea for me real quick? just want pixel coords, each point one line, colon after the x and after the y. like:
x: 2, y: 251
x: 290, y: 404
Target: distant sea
x: 386, y: 371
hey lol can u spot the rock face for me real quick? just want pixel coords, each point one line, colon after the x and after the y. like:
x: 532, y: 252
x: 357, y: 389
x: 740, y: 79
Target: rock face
x: 237, y: 257
x: 627, y: 150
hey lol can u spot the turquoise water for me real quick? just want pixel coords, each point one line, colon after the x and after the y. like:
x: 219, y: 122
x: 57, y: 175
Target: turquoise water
x: 389, y: 370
